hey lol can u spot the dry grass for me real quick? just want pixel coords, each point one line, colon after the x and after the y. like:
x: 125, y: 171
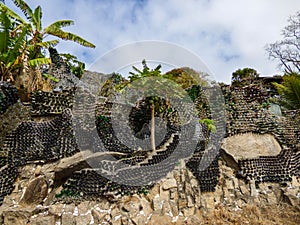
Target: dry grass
x: 253, y: 215
x: 29, y: 82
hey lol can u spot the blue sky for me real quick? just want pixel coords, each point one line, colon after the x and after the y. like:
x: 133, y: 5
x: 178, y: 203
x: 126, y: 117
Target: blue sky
x: 225, y: 34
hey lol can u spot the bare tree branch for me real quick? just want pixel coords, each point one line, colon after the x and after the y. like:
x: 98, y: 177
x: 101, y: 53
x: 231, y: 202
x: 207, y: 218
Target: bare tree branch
x: 287, y: 51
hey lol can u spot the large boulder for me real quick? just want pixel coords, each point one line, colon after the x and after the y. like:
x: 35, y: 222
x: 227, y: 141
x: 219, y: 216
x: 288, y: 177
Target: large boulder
x: 250, y: 146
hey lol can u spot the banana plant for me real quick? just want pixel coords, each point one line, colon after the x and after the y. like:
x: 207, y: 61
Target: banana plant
x: 12, y: 42
x: 15, y: 29
x: 37, y: 34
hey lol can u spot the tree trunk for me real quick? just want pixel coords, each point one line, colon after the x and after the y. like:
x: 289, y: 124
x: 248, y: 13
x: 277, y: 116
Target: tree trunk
x: 153, y: 127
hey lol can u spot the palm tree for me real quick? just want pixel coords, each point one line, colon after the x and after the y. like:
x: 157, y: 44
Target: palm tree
x: 12, y: 42
x: 152, y: 101
x: 32, y: 34
x: 37, y: 34
x: 22, y: 42
x: 290, y: 91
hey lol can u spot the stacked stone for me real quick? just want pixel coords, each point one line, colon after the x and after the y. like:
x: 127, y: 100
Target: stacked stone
x: 54, y: 139
x: 8, y: 170
x: 207, y: 174
x: 90, y: 183
x: 277, y: 169
x: 137, y: 119
x: 292, y: 115
x: 287, y: 133
x: 136, y: 165
x: 255, y: 93
x: 204, y: 162
x: 247, y: 112
x: 8, y: 96
x: 11, y: 119
x: 241, y: 111
x: 7, y: 155
x: 34, y: 141
x: 202, y: 105
x: 132, y: 167
x: 107, y: 135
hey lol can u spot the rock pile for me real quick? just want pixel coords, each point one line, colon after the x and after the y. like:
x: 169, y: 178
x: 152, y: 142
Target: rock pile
x: 176, y: 199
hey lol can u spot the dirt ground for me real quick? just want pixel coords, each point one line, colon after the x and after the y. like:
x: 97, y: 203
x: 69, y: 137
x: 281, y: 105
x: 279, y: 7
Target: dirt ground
x: 252, y: 215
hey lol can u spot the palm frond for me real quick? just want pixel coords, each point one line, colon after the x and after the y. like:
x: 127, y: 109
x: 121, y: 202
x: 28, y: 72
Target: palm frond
x: 4, y: 36
x: 58, y: 25
x: 39, y: 61
x: 7, y: 11
x: 18, y: 46
x: 5, y: 27
x: 24, y: 8
x: 48, y: 44
x: 70, y: 37
x: 37, y: 18
x: 48, y: 76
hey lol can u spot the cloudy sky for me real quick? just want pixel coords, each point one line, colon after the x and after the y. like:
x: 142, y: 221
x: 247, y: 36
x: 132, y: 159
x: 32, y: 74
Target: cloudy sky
x: 224, y: 34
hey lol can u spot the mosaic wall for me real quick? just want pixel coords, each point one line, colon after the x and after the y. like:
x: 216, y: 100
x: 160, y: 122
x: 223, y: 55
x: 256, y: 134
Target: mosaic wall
x: 35, y: 142
x: 47, y: 103
x: 247, y: 110
x: 275, y: 169
x: 162, y: 161
x: 8, y: 96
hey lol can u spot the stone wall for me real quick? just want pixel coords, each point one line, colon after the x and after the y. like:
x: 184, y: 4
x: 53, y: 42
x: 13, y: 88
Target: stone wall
x: 75, y: 193
x: 38, y: 142
x: 176, y: 199
x: 247, y: 111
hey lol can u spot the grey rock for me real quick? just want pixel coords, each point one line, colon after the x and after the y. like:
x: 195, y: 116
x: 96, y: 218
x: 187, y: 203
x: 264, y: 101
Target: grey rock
x: 250, y: 146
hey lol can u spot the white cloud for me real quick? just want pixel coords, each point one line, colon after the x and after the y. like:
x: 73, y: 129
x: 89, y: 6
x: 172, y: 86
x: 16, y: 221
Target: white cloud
x: 225, y: 34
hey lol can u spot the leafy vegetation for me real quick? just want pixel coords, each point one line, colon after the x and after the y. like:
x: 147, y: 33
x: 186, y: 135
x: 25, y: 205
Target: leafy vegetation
x: 210, y: 125
x: 77, y: 67
x: 67, y: 193
x: 287, y: 51
x: 244, y: 76
x: 111, y: 85
x: 187, y: 77
x: 290, y: 91
x: 23, y: 44
x: 179, y: 83
x: 152, y: 100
